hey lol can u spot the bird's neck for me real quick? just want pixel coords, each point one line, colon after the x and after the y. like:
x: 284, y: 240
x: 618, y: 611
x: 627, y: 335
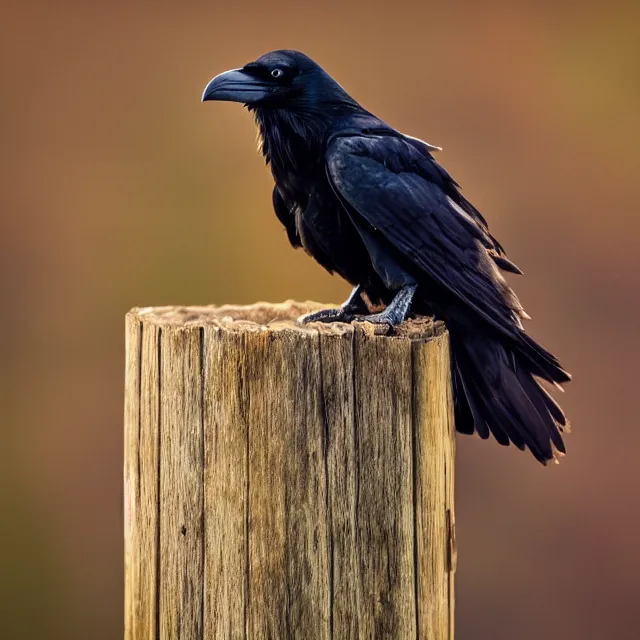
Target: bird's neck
x: 291, y: 141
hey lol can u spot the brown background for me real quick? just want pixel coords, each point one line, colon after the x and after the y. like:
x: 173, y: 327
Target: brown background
x: 119, y: 188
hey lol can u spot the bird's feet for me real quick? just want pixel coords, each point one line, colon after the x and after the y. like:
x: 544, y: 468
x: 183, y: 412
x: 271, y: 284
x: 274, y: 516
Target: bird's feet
x: 327, y: 315
x: 355, y: 309
x: 396, y: 312
x: 384, y: 317
x: 346, y: 313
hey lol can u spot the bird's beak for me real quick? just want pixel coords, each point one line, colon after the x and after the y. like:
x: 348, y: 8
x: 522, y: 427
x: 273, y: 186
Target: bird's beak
x: 236, y: 86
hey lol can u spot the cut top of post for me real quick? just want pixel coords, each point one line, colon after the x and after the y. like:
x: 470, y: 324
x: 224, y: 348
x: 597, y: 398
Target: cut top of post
x: 263, y: 316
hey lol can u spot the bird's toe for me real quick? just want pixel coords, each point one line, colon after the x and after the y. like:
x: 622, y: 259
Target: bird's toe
x: 378, y: 318
x: 326, y: 315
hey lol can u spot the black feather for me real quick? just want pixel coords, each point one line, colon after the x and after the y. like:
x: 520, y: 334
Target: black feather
x: 506, y: 265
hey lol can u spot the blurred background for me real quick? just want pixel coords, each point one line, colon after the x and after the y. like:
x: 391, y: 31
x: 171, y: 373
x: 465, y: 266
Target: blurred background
x: 119, y: 188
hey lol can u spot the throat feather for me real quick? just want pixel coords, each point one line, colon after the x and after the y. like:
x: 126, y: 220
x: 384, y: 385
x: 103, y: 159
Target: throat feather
x: 289, y: 141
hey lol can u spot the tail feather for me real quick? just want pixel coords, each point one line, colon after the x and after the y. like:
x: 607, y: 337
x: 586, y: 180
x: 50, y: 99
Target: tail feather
x: 542, y: 363
x: 500, y: 404
x: 536, y: 395
x: 496, y: 391
x: 465, y: 417
x: 477, y: 421
x: 554, y: 408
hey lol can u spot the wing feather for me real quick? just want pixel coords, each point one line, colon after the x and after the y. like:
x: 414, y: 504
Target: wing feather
x: 399, y: 191
x: 286, y: 217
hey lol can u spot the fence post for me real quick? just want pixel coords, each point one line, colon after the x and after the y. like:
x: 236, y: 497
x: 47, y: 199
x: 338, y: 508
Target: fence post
x: 286, y: 481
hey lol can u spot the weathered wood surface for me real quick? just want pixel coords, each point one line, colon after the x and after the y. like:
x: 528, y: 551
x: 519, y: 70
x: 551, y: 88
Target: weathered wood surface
x: 286, y: 481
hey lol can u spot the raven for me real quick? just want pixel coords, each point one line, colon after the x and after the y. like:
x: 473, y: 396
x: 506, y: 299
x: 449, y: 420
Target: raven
x: 372, y: 204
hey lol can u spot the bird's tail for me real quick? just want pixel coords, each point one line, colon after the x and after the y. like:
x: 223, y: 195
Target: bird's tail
x: 496, y: 391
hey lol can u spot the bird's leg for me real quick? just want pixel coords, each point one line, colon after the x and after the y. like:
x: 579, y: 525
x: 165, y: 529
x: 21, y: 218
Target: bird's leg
x: 353, y: 305
x: 397, y: 310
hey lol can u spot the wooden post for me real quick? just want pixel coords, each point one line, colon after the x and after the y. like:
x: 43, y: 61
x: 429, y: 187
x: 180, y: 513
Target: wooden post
x: 286, y: 481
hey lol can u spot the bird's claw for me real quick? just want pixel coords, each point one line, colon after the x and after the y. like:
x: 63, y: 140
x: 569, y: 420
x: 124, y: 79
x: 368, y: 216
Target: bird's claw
x: 391, y: 319
x: 327, y: 315
x: 395, y: 313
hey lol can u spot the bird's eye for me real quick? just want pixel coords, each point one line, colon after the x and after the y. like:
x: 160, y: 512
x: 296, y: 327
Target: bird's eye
x: 277, y: 73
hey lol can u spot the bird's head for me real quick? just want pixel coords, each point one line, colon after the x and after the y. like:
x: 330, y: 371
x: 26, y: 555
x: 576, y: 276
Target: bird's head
x: 279, y: 79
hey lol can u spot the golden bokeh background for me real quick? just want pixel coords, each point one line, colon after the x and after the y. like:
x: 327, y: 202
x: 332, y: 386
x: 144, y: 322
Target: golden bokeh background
x: 119, y: 188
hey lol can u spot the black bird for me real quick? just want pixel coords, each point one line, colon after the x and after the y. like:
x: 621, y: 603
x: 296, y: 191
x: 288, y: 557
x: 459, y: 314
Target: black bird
x: 372, y: 205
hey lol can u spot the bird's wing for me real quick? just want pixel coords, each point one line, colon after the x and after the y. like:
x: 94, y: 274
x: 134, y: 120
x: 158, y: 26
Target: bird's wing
x: 388, y: 184
x: 287, y: 217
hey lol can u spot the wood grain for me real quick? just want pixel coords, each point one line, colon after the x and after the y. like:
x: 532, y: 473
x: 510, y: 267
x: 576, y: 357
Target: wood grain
x: 141, y: 455
x: 181, y: 585
x: 284, y: 481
